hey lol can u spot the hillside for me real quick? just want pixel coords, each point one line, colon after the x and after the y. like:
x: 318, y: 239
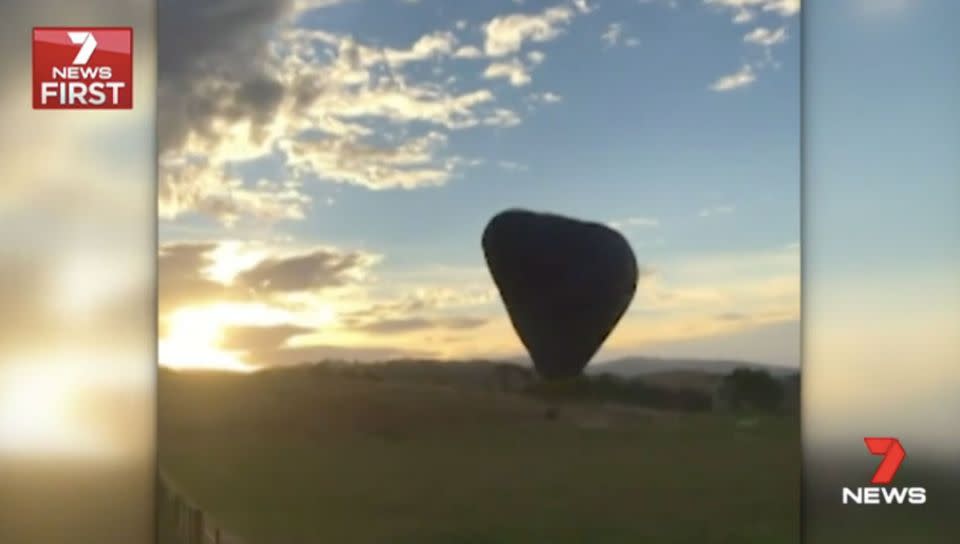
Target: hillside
x: 630, y: 367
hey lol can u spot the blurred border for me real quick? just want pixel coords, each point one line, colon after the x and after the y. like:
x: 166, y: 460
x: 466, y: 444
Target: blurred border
x: 881, y: 249
x: 77, y: 334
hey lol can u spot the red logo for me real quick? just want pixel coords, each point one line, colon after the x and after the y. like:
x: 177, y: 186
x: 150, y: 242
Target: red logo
x: 893, y: 454
x: 83, y: 68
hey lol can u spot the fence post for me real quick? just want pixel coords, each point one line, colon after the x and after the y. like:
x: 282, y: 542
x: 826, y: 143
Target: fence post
x: 197, y: 529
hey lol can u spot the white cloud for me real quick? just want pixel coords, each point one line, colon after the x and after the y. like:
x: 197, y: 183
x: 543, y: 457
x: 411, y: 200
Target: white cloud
x: 743, y: 16
x: 409, y: 165
x: 325, y: 105
x: 301, y: 6
x: 514, y: 71
x: 647, y: 222
x: 745, y: 11
x: 785, y: 8
x: 507, y: 34
x: 743, y: 77
x: 502, y: 117
x: 468, y: 52
x: 427, y: 46
x: 536, y: 57
x: 613, y: 34
x: 199, y: 186
x: 582, y: 6
x: 766, y: 37
x: 546, y: 97
x: 742, y: 9
x: 717, y: 210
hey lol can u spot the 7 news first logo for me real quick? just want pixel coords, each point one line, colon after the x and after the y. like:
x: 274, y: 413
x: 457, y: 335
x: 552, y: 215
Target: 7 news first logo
x: 881, y: 492
x: 83, y: 68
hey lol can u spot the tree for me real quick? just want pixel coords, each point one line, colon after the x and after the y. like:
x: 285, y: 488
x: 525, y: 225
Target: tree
x: 747, y: 389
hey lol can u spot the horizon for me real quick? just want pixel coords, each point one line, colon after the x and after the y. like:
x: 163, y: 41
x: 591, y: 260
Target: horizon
x: 517, y: 361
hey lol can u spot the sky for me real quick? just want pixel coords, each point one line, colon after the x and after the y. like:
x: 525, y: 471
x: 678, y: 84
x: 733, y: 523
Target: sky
x: 327, y: 168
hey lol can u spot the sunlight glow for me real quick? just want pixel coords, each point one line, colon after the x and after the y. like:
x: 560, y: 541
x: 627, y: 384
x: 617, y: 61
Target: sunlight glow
x: 36, y: 414
x: 229, y: 259
x: 193, y: 339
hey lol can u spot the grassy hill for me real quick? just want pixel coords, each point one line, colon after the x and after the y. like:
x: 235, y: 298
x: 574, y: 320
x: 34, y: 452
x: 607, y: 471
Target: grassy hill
x: 301, y: 455
x: 641, y: 366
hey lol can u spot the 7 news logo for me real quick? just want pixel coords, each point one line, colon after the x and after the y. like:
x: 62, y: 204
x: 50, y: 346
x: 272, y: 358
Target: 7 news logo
x: 82, y: 68
x: 893, y: 456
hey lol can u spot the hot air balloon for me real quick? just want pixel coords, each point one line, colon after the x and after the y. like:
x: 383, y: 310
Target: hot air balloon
x: 565, y: 284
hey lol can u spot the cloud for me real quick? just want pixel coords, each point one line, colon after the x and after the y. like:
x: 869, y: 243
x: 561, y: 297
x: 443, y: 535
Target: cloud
x: 744, y: 10
x: 423, y: 309
x: 408, y: 165
x: 239, y: 82
x: 302, y: 6
x: 612, y: 34
x: 546, y: 97
x: 743, y: 16
x: 766, y: 37
x: 716, y: 210
x: 182, y: 277
x: 648, y: 222
x: 742, y: 288
x: 215, y: 83
x: 507, y: 34
x: 513, y: 70
x: 733, y: 316
x: 426, y: 47
x: 468, y: 52
x: 259, y: 338
x: 582, y: 6
x: 411, y: 324
x: 196, y: 185
x: 187, y: 273
x: 672, y: 4
x: 743, y: 77
x: 203, y: 45
x: 502, y: 117
x: 422, y: 300
x: 312, y: 270
x: 536, y: 57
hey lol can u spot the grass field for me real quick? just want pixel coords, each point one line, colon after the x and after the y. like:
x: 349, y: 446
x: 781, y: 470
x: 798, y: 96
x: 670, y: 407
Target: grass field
x: 292, y: 457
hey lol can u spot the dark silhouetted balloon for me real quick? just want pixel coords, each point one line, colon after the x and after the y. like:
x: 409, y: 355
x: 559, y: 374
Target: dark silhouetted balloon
x: 566, y: 283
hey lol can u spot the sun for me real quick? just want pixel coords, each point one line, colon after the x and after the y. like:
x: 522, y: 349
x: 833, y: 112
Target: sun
x: 195, y: 334
x: 193, y: 339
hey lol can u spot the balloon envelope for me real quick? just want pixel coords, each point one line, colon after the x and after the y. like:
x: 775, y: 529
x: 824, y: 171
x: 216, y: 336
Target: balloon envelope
x: 565, y: 283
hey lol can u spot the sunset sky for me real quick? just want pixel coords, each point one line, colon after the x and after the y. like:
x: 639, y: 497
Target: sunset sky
x: 327, y: 168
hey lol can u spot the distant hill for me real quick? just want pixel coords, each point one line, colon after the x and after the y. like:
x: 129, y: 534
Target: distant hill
x: 666, y: 369
x: 653, y: 369
x: 632, y: 367
x: 667, y: 384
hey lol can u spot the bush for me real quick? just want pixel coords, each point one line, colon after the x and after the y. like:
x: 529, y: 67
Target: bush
x: 747, y: 389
